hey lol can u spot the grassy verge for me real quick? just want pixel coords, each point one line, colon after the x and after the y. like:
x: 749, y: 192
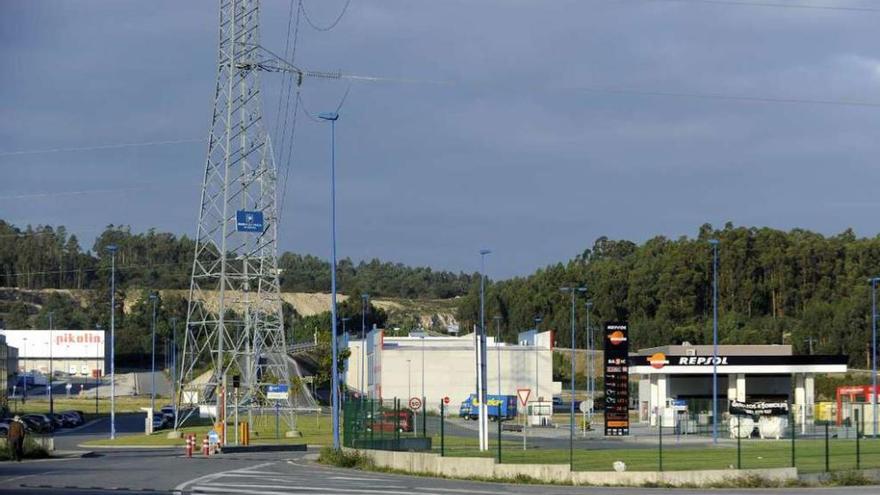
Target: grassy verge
x: 31, y: 451
x: 315, y: 431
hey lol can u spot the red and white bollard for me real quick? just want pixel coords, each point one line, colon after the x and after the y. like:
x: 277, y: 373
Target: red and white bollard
x: 189, y: 446
x: 205, y: 449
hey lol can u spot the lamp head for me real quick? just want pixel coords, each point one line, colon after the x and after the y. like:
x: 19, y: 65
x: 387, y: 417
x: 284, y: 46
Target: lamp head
x: 484, y: 252
x: 111, y: 248
x: 713, y: 242
x: 331, y: 116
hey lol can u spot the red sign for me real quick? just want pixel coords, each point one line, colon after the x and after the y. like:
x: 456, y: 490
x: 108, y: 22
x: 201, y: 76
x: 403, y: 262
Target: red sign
x: 415, y: 403
x: 523, y: 394
x: 446, y: 400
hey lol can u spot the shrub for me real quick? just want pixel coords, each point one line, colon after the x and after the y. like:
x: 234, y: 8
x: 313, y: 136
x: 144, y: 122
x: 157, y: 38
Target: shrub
x: 343, y: 458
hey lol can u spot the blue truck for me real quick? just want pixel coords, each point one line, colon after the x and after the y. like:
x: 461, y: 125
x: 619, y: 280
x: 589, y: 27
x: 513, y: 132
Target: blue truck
x: 501, y: 407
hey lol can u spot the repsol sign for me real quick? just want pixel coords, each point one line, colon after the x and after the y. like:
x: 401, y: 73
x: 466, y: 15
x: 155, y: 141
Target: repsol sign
x: 702, y: 360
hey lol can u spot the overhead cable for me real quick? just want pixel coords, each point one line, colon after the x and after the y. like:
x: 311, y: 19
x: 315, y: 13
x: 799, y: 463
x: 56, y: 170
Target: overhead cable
x: 329, y: 26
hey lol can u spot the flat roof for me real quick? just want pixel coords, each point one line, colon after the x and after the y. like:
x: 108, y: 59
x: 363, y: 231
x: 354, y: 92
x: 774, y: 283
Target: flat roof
x: 723, y: 350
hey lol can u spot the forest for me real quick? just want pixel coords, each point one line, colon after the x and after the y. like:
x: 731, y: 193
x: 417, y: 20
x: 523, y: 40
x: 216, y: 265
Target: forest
x: 795, y: 287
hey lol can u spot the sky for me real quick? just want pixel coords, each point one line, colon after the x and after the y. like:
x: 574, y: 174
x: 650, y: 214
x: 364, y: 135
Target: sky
x: 528, y: 127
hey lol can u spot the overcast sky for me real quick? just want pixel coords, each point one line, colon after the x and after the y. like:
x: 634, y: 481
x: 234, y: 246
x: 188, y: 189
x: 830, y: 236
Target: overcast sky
x: 560, y: 121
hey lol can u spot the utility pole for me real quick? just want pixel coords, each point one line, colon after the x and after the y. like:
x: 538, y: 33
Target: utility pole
x: 714, y: 243
x: 484, y: 412
x: 498, y: 348
x: 51, y: 366
x: 154, y: 296
x: 573, y: 291
x: 112, y: 250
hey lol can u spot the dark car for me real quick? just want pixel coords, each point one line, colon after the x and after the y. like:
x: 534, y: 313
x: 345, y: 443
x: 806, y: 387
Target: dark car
x: 72, y: 418
x: 57, y: 421
x: 38, y: 423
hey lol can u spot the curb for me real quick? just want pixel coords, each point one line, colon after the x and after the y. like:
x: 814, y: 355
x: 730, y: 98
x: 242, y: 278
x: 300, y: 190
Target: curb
x: 132, y: 447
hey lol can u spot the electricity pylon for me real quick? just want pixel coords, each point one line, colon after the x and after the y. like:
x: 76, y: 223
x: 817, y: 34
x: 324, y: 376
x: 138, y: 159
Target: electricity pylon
x: 235, y: 329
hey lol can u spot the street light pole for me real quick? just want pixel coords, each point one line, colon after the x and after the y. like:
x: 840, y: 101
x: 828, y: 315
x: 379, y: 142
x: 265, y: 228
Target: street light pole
x: 51, y: 368
x: 538, y: 320
x: 498, y: 348
x: 874, y: 352
x: 714, y: 243
x: 112, y: 250
x: 174, y: 367
x: 591, y: 383
x: 332, y: 117
x: 153, y: 297
x: 365, y: 299
x: 573, y: 291
x: 484, y: 412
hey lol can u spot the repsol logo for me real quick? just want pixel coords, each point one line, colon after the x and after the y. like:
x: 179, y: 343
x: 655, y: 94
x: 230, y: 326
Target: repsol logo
x: 702, y: 360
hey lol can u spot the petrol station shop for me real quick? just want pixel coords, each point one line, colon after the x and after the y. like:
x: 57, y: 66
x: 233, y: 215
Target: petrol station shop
x: 675, y: 381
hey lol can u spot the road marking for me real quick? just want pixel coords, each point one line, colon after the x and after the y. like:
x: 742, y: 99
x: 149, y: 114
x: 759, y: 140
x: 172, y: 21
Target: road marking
x: 455, y: 490
x: 238, y: 488
x: 181, y: 487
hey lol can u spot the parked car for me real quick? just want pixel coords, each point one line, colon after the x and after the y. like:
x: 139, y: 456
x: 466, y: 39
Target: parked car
x: 167, y: 411
x: 70, y: 419
x: 4, y: 429
x: 57, y: 421
x: 160, y: 422
x: 385, y: 421
x: 38, y: 423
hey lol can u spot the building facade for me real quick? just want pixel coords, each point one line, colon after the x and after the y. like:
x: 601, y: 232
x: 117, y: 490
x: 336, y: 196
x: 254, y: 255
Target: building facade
x: 679, y: 378
x: 439, y: 367
x: 71, y: 352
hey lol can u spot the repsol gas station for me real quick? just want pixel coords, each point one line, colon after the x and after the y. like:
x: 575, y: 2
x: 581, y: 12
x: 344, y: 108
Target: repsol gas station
x: 674, y: 383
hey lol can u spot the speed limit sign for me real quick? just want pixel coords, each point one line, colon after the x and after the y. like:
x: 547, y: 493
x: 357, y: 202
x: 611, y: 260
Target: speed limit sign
x: 415, y: 403
x: 446, y: 400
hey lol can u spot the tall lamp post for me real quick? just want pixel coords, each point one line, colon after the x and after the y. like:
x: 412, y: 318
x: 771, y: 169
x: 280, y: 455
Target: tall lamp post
x: 874, y: 352
x: 174, y: 368
x: 498, y: 348
x: 154, y: 297
x: 51, y: 368
x: 538, y: 320
x: 112, y: 250
x: 483, y: 389
x: 365, y: 298
x: 573, y: 291
x: 714, y: 243
x: 591, y: 380
x: 332, y: 117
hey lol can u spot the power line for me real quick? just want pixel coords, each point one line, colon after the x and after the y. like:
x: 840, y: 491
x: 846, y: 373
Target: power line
x: 776, y: 5
x: 329, y: 26
x: 85, y: 191
x: 99, y: 147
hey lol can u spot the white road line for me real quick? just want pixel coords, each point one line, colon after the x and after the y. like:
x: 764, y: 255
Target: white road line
x: 455, y: 490
x: 252, y: 488
x: 183, y: 486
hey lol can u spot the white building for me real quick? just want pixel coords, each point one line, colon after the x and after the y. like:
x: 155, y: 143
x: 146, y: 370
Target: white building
x: 439, y: 367
x: 74, y: 352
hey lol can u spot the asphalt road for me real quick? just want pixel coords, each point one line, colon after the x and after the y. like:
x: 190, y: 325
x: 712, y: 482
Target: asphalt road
x: 168, y: 472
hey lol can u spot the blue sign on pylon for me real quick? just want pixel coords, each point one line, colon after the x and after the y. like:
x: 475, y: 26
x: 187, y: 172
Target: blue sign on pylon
x: 248, y: 221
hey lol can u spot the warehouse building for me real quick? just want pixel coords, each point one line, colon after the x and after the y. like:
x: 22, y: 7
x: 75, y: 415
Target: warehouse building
x: 439, y: 367
x: 72, y: 352
x: 675, y: 381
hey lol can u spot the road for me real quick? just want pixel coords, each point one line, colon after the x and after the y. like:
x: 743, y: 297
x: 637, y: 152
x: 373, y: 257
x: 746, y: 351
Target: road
x: 168, y: 472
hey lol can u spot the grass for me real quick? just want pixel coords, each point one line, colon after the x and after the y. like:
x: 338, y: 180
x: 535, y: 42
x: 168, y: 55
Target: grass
x: 31, y: 450
x: 87, y: 406
x: 754, y: 454
x: 315, y: 431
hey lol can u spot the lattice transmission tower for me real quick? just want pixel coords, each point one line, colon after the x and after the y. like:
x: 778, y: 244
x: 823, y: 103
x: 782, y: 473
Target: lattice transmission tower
x: 235, y: 329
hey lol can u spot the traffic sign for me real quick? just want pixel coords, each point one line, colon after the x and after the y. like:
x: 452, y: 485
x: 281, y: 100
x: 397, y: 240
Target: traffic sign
x: 583, y: 406
x: 415, y: 403
x: 446, y: 400
x: 523, y: 394
x: 277, y: 392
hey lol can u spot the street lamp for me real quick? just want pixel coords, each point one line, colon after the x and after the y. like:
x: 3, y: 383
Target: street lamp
x: 25, y: 384
x: 154, y: 297
x: 483, y: 385
x: 874, y: 351
x: 174, y: 367
x: 498, y: 348
x: 51, y: 369
x: 573, y: 291
x: 591, y: 382
x: 332, y: 117
x: 538, y: 320
x: 365, y: 298
x: 112, y: 250
x: 714, y: 243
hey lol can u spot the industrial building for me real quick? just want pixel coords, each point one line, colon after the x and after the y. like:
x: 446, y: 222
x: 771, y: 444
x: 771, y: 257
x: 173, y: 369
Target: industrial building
x: 73, y: 352
x: 438, y: 367
x: 676, y: 380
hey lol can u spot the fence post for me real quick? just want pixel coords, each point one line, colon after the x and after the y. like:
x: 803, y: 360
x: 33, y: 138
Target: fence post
x: 424, y: 418
x: 372, y: 421
x: 826, y: 448
x: 660, y: 443
x: 858, y: 446
x: 396, y: 423
x: 499, y: 434
x: 738, y: 442
x: 793, y: 431
x: 442, y: 438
